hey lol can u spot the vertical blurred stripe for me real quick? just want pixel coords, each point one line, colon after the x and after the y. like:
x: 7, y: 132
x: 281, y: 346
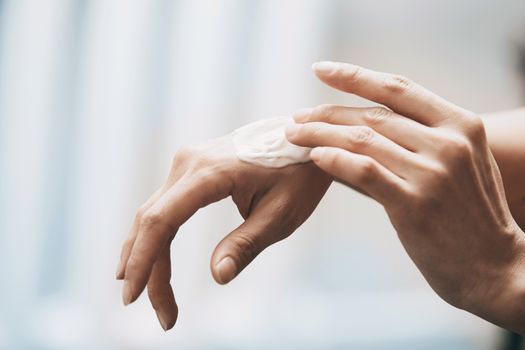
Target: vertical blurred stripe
x: 54, y: 253
x: 30, y: 65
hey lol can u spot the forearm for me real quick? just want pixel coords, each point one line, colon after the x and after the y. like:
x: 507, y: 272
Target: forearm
x: 506, y: 135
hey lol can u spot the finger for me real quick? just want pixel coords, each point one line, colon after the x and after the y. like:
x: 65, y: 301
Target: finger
x: 357, y: 139
x: 177, y: 170
x: 396, y: 92
x: 360, y: 171
x: 160, y: 292
x: 239, y: 248
x: 128, y: 244
x: 403, y: 131
x: 162, y: 221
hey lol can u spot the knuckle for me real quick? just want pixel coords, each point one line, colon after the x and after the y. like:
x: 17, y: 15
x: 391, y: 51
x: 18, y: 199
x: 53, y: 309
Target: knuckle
x: 140, y: 213
x: 360, y: 136
x: 152, y: 218
x: 352, y: 74
x: 397, y: 84
x: 324, y: 112
x: 366, y: 171
x: 246, y: 247
x: 376, y: 115
x: 206, y: 176
x: 474, y: 128
x: 311, y: 131
x: 182, y: 155
x: 331, y: 161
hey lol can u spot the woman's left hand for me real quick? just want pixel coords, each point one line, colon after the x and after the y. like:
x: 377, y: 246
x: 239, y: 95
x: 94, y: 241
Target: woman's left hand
x: 428, y: 163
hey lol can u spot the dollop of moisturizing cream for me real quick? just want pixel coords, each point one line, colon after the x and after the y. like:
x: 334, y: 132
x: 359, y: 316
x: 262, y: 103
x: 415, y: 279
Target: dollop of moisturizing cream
x: 264, y: 143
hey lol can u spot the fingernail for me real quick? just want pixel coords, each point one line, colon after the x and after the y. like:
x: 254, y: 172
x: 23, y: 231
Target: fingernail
x: 317, y: 153
x: 291, y: 130
x: 324, y: 67
x: 164, y: 319
x: 127, y: 293
x: 226, y: 270
x: 302, y: 114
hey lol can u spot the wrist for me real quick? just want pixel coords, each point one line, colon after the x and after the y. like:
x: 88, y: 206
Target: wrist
x: 501, y: 300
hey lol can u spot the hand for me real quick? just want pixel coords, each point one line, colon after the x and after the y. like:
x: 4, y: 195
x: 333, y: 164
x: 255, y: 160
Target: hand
x: 428, y: 163
x: 273, y: 202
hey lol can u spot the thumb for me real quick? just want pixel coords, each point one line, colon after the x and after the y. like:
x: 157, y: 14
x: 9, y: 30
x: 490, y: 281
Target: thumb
x: 238, y: 249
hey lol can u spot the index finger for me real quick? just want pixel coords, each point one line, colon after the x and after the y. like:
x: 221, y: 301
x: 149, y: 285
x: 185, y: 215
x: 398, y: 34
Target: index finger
x: 394, y: 91
x: 161, y: 222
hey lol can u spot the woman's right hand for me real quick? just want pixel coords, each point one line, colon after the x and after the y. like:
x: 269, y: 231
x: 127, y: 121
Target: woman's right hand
x: 428, y: 162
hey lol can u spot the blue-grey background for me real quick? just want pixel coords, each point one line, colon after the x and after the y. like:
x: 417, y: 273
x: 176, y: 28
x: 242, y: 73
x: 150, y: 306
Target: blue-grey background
x: 96, y: 96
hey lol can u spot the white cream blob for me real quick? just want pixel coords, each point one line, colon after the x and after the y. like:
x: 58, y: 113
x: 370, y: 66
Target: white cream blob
x: 264, y: 143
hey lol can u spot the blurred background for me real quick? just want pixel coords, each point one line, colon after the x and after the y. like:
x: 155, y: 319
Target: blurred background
x: 95, y: 98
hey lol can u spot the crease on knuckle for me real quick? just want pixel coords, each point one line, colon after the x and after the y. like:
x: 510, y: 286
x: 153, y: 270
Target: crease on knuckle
x: 309, y: 132
x: 331, y: 161
x: 154, y: 218
x: 397, y: 84
x: 366, y: 172
x: 324, y: 112
x: 376, y: 115
x: 351, y: 74
x: 246, y: 247
x: 360, y: 136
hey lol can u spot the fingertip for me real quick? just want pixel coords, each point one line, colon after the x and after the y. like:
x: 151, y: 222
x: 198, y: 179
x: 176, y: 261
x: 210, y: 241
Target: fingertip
x: 302, y: 115
x: 129, y: 292
x: 167, y: 318
x: 324, y: 67
x: 225, y: 270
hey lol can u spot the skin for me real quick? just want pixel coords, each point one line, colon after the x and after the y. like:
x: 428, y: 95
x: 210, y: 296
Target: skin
x: 428, y: 162
x: 505, y: 132
x: 273, y: 203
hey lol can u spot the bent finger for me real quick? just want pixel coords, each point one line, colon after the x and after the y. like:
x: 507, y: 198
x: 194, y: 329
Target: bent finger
x: 394, y: 91
x: 404, y: 131
x: 130, y: 240
x: 360, y: 171
x: 162, y: 221
x: 160, y: 291
x: 357, y: 139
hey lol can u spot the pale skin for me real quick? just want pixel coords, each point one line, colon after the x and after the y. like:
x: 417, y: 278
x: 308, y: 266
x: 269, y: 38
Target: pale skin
x: 431, y: 164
